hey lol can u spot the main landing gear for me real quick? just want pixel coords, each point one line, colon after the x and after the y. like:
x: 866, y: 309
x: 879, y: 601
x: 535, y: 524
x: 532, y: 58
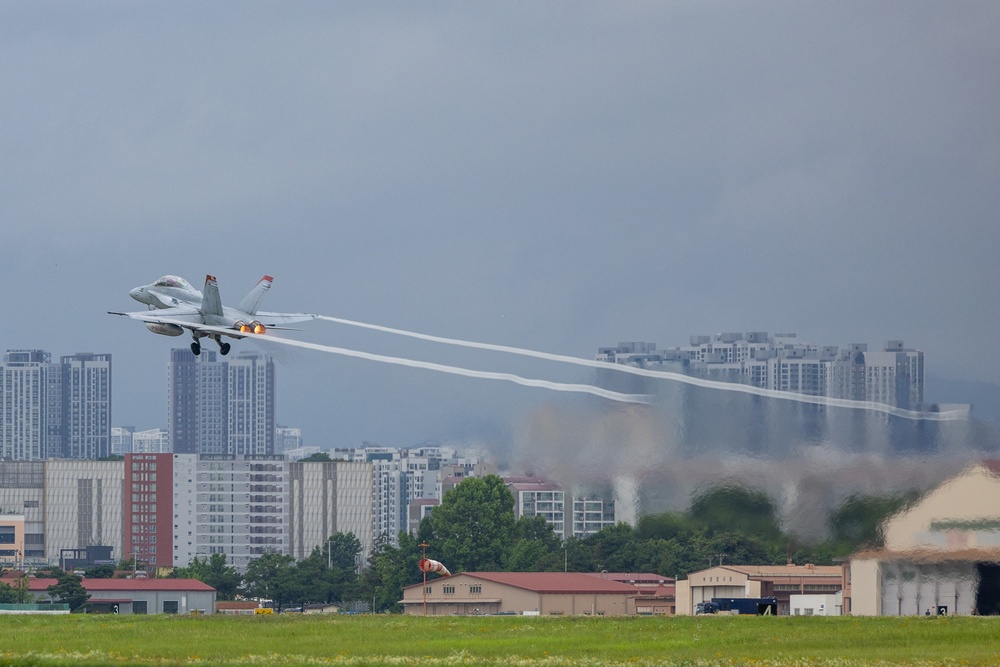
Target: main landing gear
x: 223, y: 347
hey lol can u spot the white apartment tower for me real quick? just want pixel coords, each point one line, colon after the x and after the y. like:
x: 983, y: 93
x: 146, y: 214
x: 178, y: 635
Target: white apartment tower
x: 327, y: 497
x: 55, y: 410
x: 28, y: 427
x: 83, y: 505
x: 86, y: 405
x: 221, y: 407
x: 232, y: 505
x: 893, y: 375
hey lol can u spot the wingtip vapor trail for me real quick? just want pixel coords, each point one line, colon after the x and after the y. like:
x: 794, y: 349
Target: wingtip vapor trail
x: 926, y: 415
x: 642, y: 399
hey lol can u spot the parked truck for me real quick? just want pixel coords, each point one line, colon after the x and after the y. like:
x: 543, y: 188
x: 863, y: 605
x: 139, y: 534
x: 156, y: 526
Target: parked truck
x: 741, y: 606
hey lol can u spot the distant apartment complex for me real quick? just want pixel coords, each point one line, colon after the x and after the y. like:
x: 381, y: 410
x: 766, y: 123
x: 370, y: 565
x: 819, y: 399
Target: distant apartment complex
x: 569, y: 515
x: 402, y: 477
x: 166, y: 509
x: 221, y: 407
x: 54, y: 410
x: 893, y: 375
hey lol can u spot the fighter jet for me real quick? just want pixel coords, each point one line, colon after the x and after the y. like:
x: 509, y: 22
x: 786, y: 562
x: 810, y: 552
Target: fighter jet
x: 174, y: 305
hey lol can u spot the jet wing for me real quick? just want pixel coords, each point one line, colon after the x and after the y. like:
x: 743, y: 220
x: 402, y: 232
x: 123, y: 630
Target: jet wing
x: 188, y: 314
x: 188, y: 318
x: 273, y: 319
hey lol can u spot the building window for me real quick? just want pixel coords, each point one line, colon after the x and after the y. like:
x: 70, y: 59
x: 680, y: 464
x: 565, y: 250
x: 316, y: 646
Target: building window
x: 475, y: 589
x: 449, y: 589
x: 170, y: 606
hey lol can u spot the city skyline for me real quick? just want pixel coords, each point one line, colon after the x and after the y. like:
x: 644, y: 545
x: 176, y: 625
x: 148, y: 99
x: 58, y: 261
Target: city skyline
x: 197, y: 388
x: 551, y: 179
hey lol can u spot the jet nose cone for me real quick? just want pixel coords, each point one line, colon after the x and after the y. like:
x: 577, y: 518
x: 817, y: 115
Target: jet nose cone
x: 136, y: 293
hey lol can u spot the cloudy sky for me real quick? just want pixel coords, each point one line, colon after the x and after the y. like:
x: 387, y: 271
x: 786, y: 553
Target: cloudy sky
x: 555, y: 176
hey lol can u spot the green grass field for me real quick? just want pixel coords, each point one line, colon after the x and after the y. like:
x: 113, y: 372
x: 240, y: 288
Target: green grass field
x: 522, y: 641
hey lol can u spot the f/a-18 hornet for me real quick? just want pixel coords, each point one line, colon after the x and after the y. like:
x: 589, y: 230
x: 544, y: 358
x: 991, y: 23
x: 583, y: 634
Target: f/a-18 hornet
x: 175, y: 306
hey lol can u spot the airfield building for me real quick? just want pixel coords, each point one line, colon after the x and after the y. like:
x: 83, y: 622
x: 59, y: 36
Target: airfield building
x: 941, y: 554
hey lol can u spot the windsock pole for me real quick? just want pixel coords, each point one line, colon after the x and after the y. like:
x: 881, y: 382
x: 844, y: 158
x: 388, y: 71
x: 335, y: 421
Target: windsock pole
x: 423, y: 547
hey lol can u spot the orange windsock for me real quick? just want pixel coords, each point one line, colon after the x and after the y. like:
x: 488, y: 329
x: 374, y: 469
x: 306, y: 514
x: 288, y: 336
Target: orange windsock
x: 428, y: 565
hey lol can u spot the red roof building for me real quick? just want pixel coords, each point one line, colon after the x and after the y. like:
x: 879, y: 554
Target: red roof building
x: 528, y: 593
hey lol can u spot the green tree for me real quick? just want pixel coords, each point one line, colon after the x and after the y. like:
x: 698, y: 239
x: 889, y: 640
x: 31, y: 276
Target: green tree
x: 857, y: 521
x: 16, y: 593
x: 535, y: 548
x: 389, y: 570
x: 474, y: 524
x: 613, y: 548
x: 69, y: 589
x: 315, y: 458
x: 214, y: 571
x: 665, y: 526
x: 732, y: 508
x: 101, y: 572
x: 272, y: 577
x: 341, y: 550
x: 329, y: 573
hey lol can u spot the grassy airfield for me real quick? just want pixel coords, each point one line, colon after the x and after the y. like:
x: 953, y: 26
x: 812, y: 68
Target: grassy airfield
x: 517, y: 641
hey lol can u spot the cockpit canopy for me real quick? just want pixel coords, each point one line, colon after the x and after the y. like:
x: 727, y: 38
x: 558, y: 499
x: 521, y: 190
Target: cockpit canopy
x: 173, y: 281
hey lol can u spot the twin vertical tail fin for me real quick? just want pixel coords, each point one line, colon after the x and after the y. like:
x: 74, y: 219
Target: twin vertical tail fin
x: 211, y: 302
x: 251, y: 301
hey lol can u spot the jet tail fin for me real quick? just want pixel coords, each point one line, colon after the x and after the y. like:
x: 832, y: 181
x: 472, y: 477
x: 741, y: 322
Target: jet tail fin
x: 250, y: 302
x: 211, y: 302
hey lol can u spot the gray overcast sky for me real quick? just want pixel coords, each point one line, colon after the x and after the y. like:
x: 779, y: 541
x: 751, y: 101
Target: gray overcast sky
x: 557, y: 176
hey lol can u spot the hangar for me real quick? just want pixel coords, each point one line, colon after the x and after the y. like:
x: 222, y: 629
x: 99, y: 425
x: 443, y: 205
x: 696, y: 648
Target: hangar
x: 529, y: 593
x: 941, y: 554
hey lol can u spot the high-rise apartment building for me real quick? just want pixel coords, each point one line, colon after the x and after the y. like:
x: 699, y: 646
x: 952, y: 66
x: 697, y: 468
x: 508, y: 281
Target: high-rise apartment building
x: 327, y: 497
x: 147, y: 529
x: 121, y: 440
x: 287, y: 438
x: 568, y: 515
x: 52, y: 410
x: 152, y: 441
x: 251, y: 405
x: 221, y: 407
x: 29, y: 421
x: 232, y: 505
x: 83, y: 505
x: 86, y: 405
x: 165, y: 509
x: 893, y: 375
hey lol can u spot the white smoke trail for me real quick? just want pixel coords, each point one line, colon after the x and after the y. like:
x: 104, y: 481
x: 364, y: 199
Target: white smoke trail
x: 676, y: 377
x: 467, y: 372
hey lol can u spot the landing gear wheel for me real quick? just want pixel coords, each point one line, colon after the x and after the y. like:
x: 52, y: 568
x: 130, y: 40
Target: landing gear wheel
x: 196, y: 348
x: 224, y: 349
